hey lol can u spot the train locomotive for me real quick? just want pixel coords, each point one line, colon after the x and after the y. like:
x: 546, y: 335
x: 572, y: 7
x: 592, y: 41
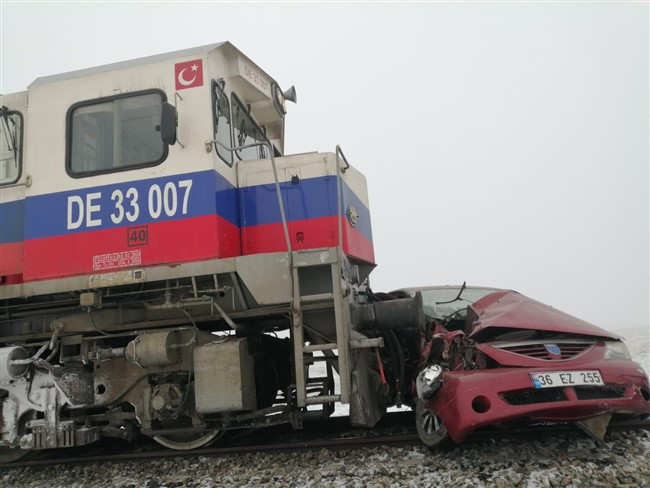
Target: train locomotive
x: 166, y: 270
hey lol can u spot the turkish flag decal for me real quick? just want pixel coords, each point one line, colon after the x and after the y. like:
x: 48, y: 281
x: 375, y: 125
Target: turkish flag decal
x: 189, y: 74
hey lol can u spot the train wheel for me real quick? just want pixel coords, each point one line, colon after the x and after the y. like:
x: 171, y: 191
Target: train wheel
x: 186, y: 442
x: 10, y: 454
x: 431, y: 430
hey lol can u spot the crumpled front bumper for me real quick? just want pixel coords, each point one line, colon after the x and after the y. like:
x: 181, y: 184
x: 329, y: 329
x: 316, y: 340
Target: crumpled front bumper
x: 468, y: 400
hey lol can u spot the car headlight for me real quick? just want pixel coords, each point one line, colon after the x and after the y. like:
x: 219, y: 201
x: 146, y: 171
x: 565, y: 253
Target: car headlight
x: 616, y: 350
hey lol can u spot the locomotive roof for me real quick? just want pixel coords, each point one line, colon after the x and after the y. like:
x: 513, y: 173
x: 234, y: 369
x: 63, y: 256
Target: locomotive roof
x: 156, y: 58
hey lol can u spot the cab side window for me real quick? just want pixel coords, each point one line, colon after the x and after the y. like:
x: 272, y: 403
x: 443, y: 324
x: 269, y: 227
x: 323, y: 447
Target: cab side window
x: 246, y: 131
x: 10, y: 146
x: 115, y: 134
x: 222, y: 125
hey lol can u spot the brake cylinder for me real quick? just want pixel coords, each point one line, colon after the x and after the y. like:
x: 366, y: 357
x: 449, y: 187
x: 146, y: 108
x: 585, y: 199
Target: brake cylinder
x: 154, y: 348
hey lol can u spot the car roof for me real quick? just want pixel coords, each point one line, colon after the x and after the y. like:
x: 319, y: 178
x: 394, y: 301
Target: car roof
x: 446, y: 287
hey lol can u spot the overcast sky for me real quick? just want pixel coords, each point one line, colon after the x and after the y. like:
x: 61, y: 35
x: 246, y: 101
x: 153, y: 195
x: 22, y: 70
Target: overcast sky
x: 505, y: 144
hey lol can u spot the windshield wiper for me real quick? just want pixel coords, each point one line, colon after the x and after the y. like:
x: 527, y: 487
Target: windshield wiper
x: 9, y: 134
x: 462, y: 289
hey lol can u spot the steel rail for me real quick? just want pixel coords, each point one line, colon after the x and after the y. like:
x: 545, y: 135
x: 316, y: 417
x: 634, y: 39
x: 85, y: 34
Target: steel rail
x: 134, y: 453
x: 349, y: 443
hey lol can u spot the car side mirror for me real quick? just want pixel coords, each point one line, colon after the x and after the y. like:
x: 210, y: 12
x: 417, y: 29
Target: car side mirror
x: 168, y: 123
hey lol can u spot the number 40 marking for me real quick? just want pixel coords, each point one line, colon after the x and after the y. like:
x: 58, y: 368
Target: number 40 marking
x: 137, y: 236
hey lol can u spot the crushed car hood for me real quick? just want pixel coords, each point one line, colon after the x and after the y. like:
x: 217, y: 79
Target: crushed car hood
x: 512, y: 310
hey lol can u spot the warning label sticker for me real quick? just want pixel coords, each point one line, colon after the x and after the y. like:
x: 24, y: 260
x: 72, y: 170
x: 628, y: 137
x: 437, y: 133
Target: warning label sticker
x: 117, y: 260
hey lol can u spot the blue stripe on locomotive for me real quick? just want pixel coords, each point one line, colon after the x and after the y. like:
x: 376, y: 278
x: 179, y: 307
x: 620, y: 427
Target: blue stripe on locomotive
x: 311, y: 198
x: 47, y: 214
x: 211, y: 193
x: 12, y: 219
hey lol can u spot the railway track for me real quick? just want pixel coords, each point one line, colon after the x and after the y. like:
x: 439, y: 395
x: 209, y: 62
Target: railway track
x: 396, y: 430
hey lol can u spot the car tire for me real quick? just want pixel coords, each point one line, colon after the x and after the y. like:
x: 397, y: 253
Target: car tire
x: 431, y: 430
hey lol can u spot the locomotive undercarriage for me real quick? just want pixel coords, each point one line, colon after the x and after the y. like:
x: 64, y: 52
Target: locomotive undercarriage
x: 71, y: 389
x: 183, y: 360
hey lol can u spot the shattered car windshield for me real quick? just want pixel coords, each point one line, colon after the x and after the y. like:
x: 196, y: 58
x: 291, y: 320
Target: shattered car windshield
x: 433, y: 300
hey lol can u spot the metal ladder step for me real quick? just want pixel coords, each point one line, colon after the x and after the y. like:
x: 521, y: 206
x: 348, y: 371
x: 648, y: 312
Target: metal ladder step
x: 317, y: 400
x: 315, y: 380
x: 330, y: 346
x: 320, y: 297
x: 354, y: 344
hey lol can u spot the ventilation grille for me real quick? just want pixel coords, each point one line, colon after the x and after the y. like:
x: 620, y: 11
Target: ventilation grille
x: 598, y: 392
x: 533, y: 395
x: 538, y: 351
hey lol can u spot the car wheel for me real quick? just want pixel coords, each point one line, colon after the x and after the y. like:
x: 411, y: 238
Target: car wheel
x: 431, y: 430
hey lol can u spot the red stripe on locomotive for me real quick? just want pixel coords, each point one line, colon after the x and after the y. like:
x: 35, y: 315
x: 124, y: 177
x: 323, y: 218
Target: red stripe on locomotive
x: 108, y: 250
x: 306, y: 234
x: 11, y: 258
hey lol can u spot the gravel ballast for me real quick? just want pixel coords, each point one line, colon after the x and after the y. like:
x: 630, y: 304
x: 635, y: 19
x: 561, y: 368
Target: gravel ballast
x: 565, y: 460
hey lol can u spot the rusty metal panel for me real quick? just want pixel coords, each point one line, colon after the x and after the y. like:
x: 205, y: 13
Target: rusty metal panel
x: 224, y: 377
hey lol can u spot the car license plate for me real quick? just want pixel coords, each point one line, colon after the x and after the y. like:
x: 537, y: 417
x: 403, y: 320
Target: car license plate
x: 566, y: 378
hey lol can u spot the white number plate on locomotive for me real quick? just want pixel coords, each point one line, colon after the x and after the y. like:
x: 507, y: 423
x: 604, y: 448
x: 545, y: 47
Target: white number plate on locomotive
x: 566, y: 378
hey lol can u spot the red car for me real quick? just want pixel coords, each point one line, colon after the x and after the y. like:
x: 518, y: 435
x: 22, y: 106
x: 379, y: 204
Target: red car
x: 492, y: 356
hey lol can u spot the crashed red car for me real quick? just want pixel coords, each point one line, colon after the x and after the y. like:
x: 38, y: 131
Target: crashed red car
x: 490, y: 356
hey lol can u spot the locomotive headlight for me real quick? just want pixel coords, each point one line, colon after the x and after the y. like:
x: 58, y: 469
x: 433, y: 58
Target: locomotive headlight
x: 616, y: 350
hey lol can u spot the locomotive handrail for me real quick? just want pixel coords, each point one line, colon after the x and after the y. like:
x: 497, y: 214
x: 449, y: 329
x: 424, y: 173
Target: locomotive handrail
x: 283, y: 216
x: 339, y: 151
x: 277, y: 183
x: 27, y: 183
x: 339, y: 191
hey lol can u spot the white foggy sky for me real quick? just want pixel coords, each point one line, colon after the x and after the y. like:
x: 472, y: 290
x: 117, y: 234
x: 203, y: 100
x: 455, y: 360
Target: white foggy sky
x: 505, y: 144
